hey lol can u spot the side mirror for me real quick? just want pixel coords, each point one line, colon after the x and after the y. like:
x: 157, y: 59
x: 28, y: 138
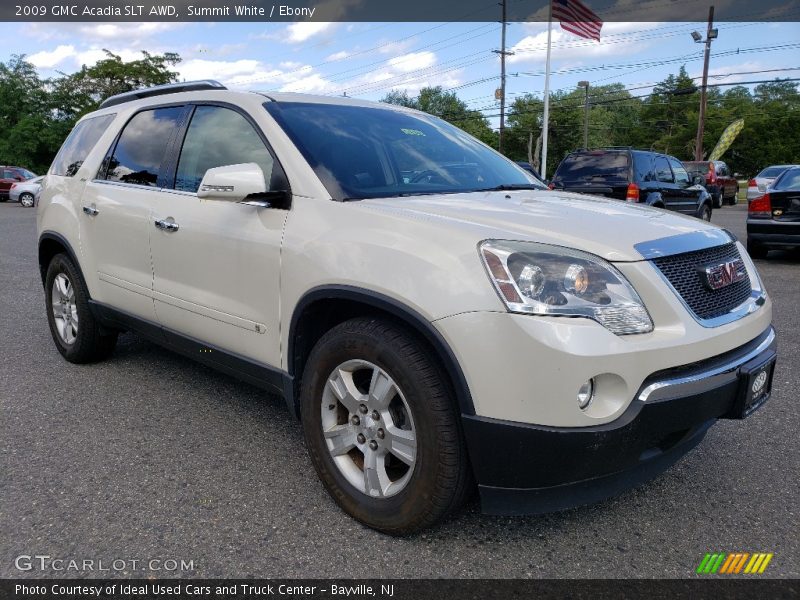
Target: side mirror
x: 698, y: 180
x: 233, y: 183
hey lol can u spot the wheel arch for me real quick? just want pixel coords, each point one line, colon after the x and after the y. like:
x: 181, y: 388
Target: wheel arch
x: 655, y: 200
x: 324, y: 307
x: 50, y: 244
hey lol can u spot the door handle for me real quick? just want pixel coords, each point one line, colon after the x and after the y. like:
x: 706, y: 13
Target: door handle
x: 91, y: 211
x: 165, y: 225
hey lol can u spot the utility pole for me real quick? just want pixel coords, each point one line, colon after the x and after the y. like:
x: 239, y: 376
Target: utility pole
x: 585, y: 86
x: 502, y: 52
x: 701, y: 120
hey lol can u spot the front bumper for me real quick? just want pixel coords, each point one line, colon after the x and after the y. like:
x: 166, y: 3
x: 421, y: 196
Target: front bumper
x: 530, y: 469
x: 769, y: 232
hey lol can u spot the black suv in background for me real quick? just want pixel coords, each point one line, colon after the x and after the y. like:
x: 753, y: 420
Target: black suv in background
x: 633, y: 176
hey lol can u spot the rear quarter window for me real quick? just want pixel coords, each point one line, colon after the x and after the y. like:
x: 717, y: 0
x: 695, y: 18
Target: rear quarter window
x: 78, y: 145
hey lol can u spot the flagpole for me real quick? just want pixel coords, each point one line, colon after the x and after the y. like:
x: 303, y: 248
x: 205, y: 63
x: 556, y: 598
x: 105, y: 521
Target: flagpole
x: 546, y: 117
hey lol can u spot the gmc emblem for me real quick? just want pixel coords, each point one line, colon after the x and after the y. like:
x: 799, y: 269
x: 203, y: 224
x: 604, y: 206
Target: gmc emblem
x: 722, y: 275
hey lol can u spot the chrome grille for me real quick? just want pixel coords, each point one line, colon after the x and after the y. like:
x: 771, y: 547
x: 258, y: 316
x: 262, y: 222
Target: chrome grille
x: 683, y: 271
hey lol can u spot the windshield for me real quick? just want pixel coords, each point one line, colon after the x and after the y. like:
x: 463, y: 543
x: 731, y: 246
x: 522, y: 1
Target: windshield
x: 697, y: 168
x: 363, y: 152
x: 771, y: 172
x: 789, y: 180
x: 587, y: 166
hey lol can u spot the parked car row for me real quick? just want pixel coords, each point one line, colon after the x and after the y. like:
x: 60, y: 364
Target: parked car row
x: 773, y: 217
x: 641, y: 176
x: 19, y: 185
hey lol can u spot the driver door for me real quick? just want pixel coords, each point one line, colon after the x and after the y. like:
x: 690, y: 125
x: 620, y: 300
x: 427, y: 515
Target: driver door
x: 216, y: 272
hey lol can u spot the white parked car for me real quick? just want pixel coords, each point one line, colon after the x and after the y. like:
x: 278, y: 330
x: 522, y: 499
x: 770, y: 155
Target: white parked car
x: 26, y: 192
x: 759, y: 184
x: 433, y: 314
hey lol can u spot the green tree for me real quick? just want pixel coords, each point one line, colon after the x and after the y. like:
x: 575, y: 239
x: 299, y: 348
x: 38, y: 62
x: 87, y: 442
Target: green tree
x: 23, y: 114
x: 36, y: 115
x: 78, y: 93
x: 446, y: 105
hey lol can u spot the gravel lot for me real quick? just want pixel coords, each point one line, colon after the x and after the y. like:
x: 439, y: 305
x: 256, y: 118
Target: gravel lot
x: 151, y: 456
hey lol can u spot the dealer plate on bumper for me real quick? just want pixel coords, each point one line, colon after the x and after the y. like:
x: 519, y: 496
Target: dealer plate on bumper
x: 755, y: 386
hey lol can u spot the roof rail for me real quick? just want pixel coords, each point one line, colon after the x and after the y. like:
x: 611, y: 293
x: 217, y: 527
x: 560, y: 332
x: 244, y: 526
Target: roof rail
x: 158, y: 90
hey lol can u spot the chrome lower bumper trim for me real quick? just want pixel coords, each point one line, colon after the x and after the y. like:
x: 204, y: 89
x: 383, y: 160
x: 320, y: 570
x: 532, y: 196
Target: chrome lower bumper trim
x: 702, y: 381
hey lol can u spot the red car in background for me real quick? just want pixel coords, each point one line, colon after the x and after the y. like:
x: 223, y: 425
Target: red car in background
x: 11, y: 175
x: 719, y: 181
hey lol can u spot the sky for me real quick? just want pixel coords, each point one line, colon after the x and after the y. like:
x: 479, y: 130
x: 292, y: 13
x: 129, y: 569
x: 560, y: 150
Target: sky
x: 367, y: 60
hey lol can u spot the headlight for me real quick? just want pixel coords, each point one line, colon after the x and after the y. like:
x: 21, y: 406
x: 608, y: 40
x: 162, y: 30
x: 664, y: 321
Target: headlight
x: 550, y: 280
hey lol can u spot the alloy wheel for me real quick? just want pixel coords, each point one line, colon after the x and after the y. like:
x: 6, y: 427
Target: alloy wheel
x: 65, y: 309
x: 368, y: 428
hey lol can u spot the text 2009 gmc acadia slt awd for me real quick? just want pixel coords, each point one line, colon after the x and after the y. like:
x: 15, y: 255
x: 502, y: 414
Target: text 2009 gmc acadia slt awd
x: 435, y: 316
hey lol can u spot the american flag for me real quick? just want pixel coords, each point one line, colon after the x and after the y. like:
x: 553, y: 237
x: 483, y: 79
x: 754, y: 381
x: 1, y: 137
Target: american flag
x: 577, y: 18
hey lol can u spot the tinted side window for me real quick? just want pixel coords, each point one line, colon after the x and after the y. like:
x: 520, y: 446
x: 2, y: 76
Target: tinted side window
x: 78, y: 145
x: 663, y: 172
x: 598, y: 164
x: 218, y: 137
x: 643, y: 166
x: 140, y: 149
x: 681, y: 176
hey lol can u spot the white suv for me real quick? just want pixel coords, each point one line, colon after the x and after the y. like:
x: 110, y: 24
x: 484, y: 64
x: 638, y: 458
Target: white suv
x: 434, y: 315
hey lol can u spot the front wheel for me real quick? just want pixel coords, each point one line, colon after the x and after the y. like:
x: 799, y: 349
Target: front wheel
x: 382, y: 427
x: 705, y: 213
x: 26, y: 200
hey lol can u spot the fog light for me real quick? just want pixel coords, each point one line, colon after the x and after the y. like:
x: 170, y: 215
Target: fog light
x: 586, y: 394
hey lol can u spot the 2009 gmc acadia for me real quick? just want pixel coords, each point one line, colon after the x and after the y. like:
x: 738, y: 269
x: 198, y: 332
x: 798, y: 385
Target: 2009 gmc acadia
x: 434, y: 315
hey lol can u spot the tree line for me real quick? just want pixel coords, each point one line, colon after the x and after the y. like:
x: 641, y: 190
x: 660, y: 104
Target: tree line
x: 664, y: 120
x: 36, y: 114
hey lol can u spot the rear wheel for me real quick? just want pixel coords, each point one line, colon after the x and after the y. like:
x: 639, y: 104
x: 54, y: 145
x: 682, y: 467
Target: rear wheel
x: 381, y: 427
x: 734, y: 199
x: 26, y: 199
x: 756, y: 250
x: 75, y: 331
x: 717, y: 199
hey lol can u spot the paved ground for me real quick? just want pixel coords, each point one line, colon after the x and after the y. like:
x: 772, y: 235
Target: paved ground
x: 149, y: 455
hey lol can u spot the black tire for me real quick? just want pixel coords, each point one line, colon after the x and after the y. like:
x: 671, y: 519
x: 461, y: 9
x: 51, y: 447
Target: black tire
x: 441, y: 478
x: 26, y: 199
x: 717, y: 200
x: 734, y: 200
x: 756, y: 250
x: 705, y: 213
x: 91, y: 344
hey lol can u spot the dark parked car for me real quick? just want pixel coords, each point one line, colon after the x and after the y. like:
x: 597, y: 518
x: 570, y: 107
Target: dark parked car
x: 529, y: 168
x: 10, y: 176
x: 634, y: 176
x: 719, y: 181
x: 773, y: 219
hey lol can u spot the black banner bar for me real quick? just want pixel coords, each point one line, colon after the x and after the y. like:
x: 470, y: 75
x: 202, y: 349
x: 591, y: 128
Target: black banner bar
x: 384, y: 11
x: 730, y: 588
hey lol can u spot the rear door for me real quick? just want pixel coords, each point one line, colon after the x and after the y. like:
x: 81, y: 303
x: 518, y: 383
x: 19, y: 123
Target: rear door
x: 116, y: 210
x: 685, y: 194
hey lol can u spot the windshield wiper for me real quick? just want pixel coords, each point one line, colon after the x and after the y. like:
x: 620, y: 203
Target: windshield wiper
x: 507, y: 187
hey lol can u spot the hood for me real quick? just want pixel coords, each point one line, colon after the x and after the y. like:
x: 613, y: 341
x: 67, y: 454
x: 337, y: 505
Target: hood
x: 608, y: 228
